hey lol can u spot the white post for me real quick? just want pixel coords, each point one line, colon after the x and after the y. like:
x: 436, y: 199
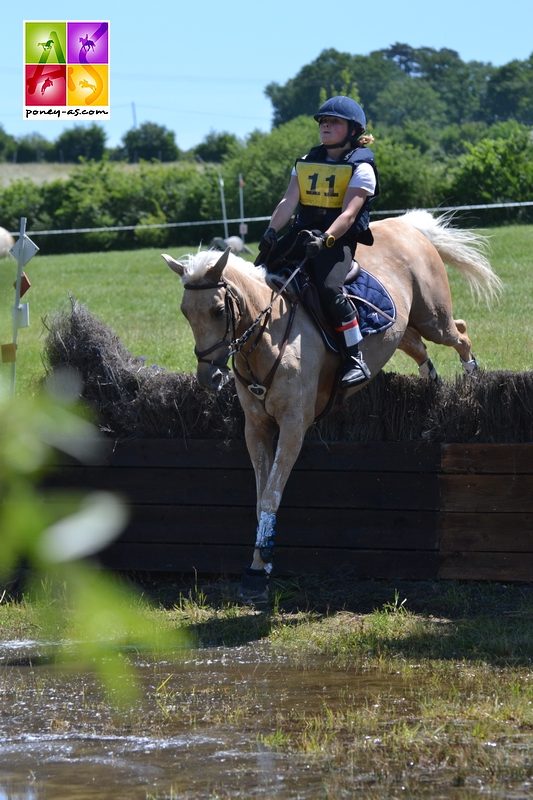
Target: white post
x: 20, y: 266
x: 23, y: 250
x: 223, y: 204
x: 243, y: 228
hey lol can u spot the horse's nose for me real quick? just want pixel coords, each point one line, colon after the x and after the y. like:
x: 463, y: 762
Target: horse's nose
x: 212, y: 377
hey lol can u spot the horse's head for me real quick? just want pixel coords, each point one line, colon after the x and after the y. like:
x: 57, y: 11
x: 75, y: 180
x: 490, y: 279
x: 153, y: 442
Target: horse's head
x: 209, y: 305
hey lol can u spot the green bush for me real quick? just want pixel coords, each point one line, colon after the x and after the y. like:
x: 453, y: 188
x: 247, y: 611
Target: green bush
x: 414, y: 173
x: 498, y: 169
x: 408, y: 179
x: 24, y: 198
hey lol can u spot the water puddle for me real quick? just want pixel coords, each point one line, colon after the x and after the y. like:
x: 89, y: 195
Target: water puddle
x: 205, y: 727
x: 199, y: 730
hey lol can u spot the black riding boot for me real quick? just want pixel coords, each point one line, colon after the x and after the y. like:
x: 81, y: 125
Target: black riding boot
x: 354, y: 369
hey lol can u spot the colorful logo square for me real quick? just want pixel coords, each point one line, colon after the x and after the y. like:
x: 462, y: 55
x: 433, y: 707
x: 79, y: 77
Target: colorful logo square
x: 88, y: 85
x: 45, y: 43
x: 66, y: 69
x: 46, y: 85
x: 88, y: 42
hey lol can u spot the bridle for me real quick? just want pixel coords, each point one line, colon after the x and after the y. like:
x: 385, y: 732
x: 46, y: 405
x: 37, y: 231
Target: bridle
x: 235, y: 345
x: 231, y: 300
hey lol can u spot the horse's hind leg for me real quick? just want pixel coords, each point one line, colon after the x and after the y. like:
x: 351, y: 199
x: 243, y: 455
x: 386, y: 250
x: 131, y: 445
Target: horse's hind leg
x: 468, y: 360
x: 413, y: 346
x: 452, y: 333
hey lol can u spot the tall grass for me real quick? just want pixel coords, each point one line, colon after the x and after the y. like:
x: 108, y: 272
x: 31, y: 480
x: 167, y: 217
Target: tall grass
x: 138, y: 297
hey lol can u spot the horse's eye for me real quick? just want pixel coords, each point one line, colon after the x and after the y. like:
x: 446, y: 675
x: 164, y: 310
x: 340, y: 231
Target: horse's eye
x: 218, y: 311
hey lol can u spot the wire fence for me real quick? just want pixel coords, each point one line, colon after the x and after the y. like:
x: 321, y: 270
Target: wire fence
x: 240, y: 220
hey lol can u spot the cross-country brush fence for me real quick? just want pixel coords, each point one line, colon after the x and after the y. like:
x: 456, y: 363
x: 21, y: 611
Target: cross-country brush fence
x: 406, y: 479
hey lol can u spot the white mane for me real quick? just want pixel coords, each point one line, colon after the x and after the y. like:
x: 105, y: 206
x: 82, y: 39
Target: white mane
x: 196, y: 265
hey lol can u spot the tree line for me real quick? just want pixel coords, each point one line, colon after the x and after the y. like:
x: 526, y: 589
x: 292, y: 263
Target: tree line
x: 429, y: 98
x: 146, y: 142
x: 414, y: 87
x: 428, y: 157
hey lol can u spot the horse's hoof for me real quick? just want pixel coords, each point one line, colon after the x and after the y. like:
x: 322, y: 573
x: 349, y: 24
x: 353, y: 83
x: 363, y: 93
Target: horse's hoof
x: 428, y: 371
x: 470, y: 367
x: 255, y: 587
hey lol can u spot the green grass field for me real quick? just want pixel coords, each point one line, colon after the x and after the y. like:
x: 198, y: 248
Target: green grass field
x: 138, y: 297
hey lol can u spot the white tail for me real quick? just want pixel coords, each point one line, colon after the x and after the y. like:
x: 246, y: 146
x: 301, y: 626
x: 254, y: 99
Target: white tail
x: 460, y: 248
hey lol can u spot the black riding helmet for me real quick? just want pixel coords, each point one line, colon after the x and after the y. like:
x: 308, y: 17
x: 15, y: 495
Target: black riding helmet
x: 344, y: 108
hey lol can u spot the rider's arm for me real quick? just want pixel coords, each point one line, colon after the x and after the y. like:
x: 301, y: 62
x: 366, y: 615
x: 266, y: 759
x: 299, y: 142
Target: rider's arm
x: 353, y: 202
x: 286, y: 206
x: 362, y: 185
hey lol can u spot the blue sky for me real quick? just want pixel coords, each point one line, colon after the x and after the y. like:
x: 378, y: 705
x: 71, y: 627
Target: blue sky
x: 201, y: 67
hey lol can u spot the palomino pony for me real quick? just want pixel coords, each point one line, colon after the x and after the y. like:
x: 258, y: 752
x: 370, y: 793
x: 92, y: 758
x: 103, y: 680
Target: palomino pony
x: 285, y: 376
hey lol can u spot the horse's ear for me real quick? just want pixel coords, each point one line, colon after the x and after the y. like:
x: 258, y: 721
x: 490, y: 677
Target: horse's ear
x: 215, y: 272
x: 174, y: 265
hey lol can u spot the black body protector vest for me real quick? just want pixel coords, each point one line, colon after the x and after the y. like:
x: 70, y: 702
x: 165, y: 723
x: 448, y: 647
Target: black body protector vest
x: 323, y: 184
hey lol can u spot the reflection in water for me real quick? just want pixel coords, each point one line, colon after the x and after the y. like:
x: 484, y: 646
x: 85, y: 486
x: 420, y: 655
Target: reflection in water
x: 197, y: 732
x: 27, y: 794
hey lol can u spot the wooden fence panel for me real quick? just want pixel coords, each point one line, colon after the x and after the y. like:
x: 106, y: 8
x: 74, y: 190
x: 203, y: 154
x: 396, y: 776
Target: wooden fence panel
x: 231, y: 560
x: 486, y: 493
x: 502, y: 459
x: 469, y: 566
x: 384, y: 510
x: 309, y: 527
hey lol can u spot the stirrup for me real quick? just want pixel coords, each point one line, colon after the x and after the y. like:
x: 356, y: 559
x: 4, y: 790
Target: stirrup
x: 356, y: 372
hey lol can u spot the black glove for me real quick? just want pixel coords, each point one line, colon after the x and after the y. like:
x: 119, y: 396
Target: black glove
x: 268, y: 239
x: 314, y: 244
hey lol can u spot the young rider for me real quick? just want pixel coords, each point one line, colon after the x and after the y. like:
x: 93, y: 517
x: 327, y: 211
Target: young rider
x: 330, y: 189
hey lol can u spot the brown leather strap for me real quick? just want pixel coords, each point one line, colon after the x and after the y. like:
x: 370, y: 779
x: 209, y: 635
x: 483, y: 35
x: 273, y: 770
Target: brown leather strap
x: 260, y: 389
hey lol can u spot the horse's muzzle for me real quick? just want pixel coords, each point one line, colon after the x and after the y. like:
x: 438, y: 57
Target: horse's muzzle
x: 213, y: 377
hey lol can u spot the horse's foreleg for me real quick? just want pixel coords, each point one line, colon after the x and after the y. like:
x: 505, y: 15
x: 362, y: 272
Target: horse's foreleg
x: 260, y: 436
x: 272, y: 469
x: 290, y: 439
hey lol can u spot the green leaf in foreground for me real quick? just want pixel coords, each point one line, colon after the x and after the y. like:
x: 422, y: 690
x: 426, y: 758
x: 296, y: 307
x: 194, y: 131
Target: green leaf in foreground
x: 93, y: 616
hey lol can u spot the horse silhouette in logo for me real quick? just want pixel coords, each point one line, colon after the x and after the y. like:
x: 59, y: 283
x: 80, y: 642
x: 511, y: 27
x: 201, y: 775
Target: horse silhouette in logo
x: 86, y: 44
x: 87, y: 85
x: 46, y: 45
x: 46, y: 84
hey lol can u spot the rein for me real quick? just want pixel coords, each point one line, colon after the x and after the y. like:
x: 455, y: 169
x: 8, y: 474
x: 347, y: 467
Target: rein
x: 235, y: 345
x: 238, y: 343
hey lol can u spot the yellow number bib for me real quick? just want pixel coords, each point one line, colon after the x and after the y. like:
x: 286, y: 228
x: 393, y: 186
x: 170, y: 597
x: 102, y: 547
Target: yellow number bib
x: 323, y: 185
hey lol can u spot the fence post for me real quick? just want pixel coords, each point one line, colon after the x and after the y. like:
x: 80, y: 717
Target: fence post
x: 23, y: 250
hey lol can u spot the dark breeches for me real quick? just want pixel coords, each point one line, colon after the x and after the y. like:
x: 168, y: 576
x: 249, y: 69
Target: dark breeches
x: 328, y: 272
